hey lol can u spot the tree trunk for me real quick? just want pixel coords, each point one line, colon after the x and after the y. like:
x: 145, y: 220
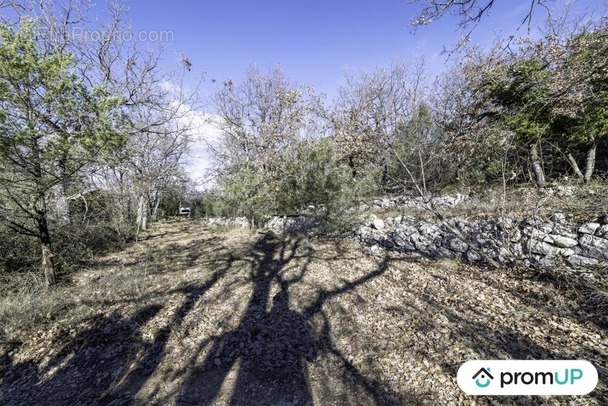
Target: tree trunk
x: 351, y: 163
x: 536, y: 165
x: 574, y: 165
x: 422, y: 174
x: 142, y: 214
x: 155, y: 209
x: 156, y: 203
x: 590, y: 162
x: 47, y: 266
x: 384, y: 174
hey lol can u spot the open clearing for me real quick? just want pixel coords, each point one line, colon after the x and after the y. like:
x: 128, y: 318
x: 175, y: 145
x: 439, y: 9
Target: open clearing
x: 195, y: 315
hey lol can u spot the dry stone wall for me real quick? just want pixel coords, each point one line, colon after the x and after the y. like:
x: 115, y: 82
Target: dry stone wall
x: 527, y: 242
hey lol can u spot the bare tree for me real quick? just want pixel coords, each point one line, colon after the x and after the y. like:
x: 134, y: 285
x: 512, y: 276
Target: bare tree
x: 260, y: 118
x: 469, y: 12
x: 371, y: 110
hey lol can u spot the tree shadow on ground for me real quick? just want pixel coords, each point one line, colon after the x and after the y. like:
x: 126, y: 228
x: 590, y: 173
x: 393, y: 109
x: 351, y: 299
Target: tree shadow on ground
x: 107, y: 362
x: 508, y: 343
x: 83, y: 369
x: 272, y: 345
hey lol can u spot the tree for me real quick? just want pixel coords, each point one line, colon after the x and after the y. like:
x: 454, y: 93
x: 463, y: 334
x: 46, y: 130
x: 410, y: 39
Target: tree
x: 51, y: 126
x: 552, y: 90
x: 417, y: 154
x: 475, y: 148
x: 152, y: 162
x: 371, y: 110
x: 260, y: 118
x: 521, y: 90
x: 159, y: 109
x: 580, y: 81
x: 469, y: 11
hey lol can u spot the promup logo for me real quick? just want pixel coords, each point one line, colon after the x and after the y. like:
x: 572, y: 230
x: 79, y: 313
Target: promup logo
x: 483, y: 375
x: 496, y: 377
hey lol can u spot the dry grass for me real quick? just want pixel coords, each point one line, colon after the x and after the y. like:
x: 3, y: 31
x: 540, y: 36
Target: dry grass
x: 193, y: 315
x: 580, y: 203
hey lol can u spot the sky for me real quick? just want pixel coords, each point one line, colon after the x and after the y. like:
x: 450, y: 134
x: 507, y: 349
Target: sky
x: 312, y: 41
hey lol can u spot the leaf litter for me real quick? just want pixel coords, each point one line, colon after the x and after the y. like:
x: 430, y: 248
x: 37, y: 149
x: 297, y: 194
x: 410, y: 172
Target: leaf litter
x: 193, y: 314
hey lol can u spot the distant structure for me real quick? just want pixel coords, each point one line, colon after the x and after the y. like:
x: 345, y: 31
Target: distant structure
x: 185, y: 212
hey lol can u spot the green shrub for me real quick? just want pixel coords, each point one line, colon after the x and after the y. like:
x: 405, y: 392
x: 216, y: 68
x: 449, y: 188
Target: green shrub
x: 316, y: 184
x: 307, y: 179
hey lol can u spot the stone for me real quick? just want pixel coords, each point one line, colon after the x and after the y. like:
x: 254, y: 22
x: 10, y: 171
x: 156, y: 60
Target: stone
x: 388, y: 243
x: 414, y: 237
x: 594, y: 247
x: 375, y: 250
x: 546, y: 227
x: 430, y: 231
x: 602, y: 231
x: 407, y: 230
x: 534, y: 232
x: 543, y: 261
x: 515, y: 236
x: 564, y: 231
x: 581, y: 261
x: 566, y: 252
x: 560, y: 241
x: 516, y: 250
x: 422, y: 242
x: 378, y: 224
x: 241, y: 222
x: 369, y: 235
x: 456, y: 244
x: 404, y: 220
x: 403, y: 243
x: 445, y: 253
x: 472, y: 256
x: 531, y: 240
x: 588, y: 228
x: 399, y: 239
x: 565, y: 191
x: 542, y: 248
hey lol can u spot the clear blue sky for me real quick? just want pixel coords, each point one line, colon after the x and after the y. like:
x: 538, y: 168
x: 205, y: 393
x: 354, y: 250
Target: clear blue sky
x: 313, y: 41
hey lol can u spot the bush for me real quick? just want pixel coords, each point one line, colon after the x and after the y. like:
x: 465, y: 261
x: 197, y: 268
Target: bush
x: 20, y: 252
x: 250, y: 193
x: 316, y: 184
x: 94, y: 228
x: 306, y: 180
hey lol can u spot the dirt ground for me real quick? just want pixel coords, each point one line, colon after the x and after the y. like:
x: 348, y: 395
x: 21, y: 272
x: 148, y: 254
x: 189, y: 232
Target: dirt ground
x: 192, y: 315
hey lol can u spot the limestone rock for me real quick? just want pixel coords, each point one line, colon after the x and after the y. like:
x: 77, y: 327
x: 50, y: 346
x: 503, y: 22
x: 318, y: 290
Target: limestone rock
x: 588, y: 228
x: 581, y: 261
x: 456, y: 244
x: 594, y: 247
x: 560, y: 241
x: 377, y: 224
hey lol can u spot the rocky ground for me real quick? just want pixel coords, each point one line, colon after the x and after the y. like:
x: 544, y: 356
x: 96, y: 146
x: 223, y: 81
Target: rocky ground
x: 195, y: 314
